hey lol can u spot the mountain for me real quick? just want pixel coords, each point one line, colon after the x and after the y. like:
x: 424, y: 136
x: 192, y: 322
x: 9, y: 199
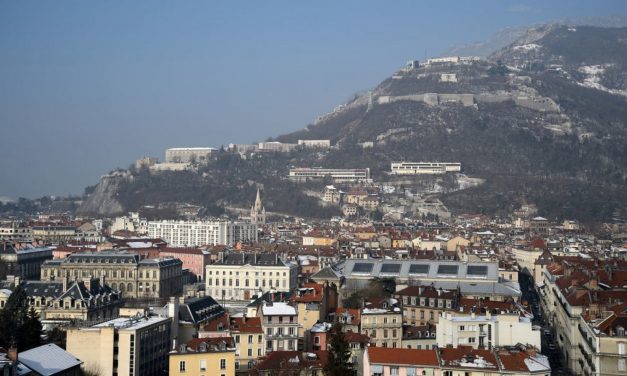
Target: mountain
x: 541, y: 120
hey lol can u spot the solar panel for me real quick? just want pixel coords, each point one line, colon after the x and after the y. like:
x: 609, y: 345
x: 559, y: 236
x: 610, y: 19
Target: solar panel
x: 447, y: 269
x: 362, y: 267
x: 391, y: 268
x: 477, y: 270
x: 419, y: 269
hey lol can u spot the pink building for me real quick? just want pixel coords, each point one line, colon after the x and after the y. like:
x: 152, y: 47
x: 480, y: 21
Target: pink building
x: 194, y: 259
x: 387, y: 361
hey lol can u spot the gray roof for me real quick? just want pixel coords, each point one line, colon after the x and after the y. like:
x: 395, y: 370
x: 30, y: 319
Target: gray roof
x: 261, y: 259
x: 48, y: 289
x: 201, y: 309
x: 326, y: 273
x: 48, y: 359
x: 431, y: 270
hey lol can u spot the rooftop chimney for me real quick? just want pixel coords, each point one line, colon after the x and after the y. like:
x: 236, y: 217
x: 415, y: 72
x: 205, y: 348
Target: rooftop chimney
x: 12, y: 353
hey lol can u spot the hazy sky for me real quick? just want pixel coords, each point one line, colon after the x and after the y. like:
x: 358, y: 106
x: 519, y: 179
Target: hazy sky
x: 86, y: 87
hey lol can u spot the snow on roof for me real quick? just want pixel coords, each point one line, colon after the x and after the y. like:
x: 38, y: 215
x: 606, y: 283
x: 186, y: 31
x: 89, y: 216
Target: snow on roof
x: 139, y: 244
x: 278, y: 308
x: 131, y: 322
x: 538, y: 363
x: 48, y: 359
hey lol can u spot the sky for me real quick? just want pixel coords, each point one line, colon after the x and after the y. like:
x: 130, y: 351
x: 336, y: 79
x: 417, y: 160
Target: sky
x: 90, y: 86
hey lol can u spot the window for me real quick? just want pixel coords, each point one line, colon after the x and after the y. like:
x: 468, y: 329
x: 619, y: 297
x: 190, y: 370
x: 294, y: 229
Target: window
x: 236, y: 339
x: 250, y: 339
x: 621, y: 365
x: 182, y: 366
x: 203, y: 365
x: 471, y: 340
x: 250, y: 352
x: 461, y: 328
x: 393, y: 371
x: 621, y: 348
x: 222, y: 363
x: 236, y: 365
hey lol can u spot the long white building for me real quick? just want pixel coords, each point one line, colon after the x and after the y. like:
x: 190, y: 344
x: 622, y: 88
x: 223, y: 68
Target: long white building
x: 337, y: 174
x: 187, y: 155
x: 430, y: 168
x: 197, y: 233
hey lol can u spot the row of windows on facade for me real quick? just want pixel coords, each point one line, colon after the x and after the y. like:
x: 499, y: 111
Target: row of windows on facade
x: 247, y: 273
x: 168, y: 272
x: 202, y: 365
x: 422, y: 314
x: 373, y: 333
x: 373, y: 320
x: 395, y: 371
x: 427, y: 302
x: 247, y: 283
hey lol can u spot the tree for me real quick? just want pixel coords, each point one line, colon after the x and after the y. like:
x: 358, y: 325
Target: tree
x: 338, y: 363
x: 18, y: 323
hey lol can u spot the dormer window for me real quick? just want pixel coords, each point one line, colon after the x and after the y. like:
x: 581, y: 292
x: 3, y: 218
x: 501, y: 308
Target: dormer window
x: 620, y: 331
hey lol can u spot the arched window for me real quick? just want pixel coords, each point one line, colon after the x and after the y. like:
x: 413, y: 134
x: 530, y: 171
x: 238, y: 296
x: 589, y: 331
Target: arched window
x: 129, y: 287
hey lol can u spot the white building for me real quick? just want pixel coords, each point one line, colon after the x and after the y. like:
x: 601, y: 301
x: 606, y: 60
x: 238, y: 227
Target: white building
x: 315, y: 144
x: 276, y: 146
x: 280, y: 324
x: 337, y: 174
x: 16, y: 232
x: 132, y: 222
x: 416, y: 168
x: 244, y: 275
x: 486, y: 331
x: 197, y: 233
x: 187, y: 155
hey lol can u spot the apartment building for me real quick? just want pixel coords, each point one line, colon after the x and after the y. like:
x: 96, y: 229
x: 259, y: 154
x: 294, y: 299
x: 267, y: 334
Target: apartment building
x: 124, y: 272
x: 424, y: 304
x: 198, y: 233
x: 125, y: 346
x: 203, y: 357
x: 194, y: 259
x: 15, y: 232
x: 240, y: 276
x: 430, y: 168
x: 280, y: 325
x: 486, y: 331
x: 383, y: 323
x: 250, y: 342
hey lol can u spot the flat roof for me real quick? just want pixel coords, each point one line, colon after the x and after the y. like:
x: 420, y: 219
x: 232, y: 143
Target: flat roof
x: 134, y: 323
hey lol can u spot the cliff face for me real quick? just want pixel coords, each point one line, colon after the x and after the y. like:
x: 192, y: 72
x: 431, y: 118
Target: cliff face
x: 103, y: 202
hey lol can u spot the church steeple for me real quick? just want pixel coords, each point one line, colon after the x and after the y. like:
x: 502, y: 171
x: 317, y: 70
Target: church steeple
x: 257, y: 211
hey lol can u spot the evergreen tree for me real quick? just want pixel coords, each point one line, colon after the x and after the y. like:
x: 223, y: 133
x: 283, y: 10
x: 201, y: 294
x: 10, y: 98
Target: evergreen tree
x: 19, y: 323
x: 338, y: 363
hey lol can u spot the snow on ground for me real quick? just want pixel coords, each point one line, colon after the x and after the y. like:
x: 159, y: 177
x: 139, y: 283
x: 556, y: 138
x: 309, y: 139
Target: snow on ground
x: 527, y: 47
x: 593, y: 79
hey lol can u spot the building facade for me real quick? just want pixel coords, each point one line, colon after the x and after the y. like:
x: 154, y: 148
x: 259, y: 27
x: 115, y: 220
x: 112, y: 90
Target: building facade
x: 199, y: 233
x: 124, y: 272
x: 125, y: 346
x: 244, y: 275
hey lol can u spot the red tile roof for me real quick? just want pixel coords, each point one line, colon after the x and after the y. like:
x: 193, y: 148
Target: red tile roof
x: 388, y: 355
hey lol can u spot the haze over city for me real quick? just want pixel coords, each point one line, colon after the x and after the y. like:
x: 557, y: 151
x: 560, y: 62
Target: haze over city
x: 88, y: 87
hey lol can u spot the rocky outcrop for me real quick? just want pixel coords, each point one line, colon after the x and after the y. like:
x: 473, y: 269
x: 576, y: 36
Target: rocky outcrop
x: 102, y: 201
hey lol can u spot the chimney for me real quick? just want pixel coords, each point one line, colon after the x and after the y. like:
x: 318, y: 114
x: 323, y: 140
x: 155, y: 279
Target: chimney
x: 473, y: 316
x: 488, y: 314
x: 244, y: 318
x: 173, y: 313
x: 12, y: 353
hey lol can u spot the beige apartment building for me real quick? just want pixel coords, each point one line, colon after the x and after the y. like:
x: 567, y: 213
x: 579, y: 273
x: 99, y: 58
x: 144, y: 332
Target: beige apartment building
x: 384, y: 326
x: 124, y: 272
x: 126, y: 346
x: 250, y: 341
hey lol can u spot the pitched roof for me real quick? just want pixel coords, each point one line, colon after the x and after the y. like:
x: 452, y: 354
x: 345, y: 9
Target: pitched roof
x: 246, y: 324
x: 388, y: 355
x: 467, y: 357
x: 48, y: 359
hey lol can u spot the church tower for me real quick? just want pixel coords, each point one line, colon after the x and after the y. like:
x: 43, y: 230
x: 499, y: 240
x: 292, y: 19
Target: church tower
x: 257, y: 211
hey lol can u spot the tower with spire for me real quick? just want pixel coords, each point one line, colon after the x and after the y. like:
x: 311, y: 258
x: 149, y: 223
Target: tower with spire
x: 257, y: 211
